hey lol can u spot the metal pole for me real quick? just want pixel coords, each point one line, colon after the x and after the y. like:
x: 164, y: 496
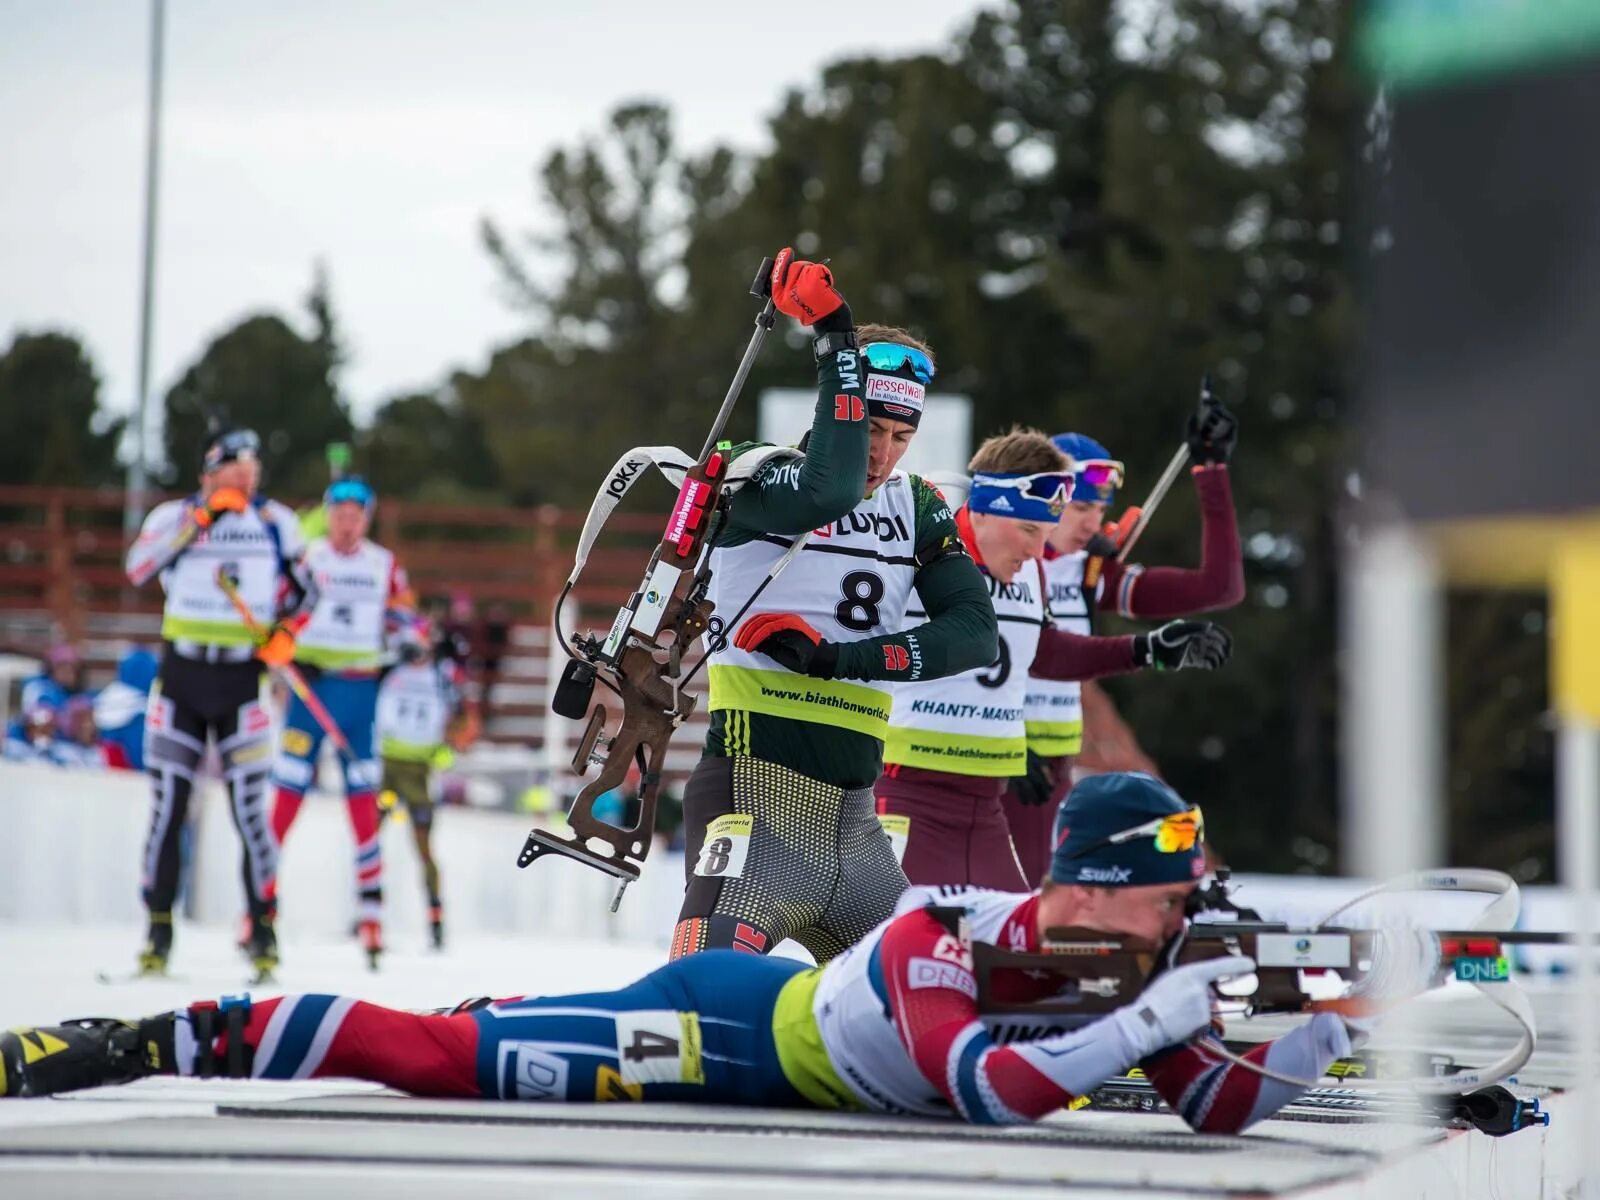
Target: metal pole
x: 1578, y: 836
x: 1575, y: 692
x: 1393, y: 715
x: 138, y: 471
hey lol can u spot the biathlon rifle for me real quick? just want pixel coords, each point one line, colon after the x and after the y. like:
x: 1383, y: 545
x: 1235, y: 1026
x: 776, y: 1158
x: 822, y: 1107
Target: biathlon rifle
x: 1096, y: 973
x: 641, y: 658
x: 1117, y: 540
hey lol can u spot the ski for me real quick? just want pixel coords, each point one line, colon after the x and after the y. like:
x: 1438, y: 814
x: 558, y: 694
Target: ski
x: 137, y: 976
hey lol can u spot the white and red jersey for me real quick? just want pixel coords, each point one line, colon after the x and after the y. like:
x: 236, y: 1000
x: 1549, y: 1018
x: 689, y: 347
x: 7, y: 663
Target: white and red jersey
x: 898, y: 1016
x: 361, y: 597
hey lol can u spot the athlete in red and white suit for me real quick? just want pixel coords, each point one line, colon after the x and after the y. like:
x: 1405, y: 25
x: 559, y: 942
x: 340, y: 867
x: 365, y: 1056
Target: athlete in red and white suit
x: 891, y: 1025
x: 945, y: 1054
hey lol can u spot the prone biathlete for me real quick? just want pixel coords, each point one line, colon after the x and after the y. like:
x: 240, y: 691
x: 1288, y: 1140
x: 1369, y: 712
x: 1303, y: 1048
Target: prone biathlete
x: 782, y: 837
x: 363, y: 598
x: 210, y: 684
x: 953, y: 744
x: 1054, y: 707
x: 892, y: 1026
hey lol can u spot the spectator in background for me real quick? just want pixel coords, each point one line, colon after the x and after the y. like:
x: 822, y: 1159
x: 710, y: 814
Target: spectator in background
x: 461, y: 623
x: 450, y: 643
x: 61, y: 679
x: 77, y: 740
x: 462, y: 637
x: 29, y: 737
x: 119, y: 710
x: 496, y: 641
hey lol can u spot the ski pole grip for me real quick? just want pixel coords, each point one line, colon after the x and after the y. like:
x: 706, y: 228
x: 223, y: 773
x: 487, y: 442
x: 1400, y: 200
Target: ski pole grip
x: 762, y: 285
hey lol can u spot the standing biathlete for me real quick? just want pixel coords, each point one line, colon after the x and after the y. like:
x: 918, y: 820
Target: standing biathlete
x: 952, y: 745
x: 210, y: 684
x: 363, y: 598
x: 891, y: 1026
x: 782, y: 839
x: 1054, y: 708
x: 423, y: 717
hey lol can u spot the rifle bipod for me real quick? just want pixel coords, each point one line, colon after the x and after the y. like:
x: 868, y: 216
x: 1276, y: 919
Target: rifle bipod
x: 652, y: 708
x: 540, y: 843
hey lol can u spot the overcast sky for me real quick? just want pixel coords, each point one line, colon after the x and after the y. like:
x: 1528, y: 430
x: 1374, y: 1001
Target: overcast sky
x: 372, y: 135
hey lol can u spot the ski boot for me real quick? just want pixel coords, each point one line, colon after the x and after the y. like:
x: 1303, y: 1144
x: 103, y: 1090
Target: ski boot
x: 372, y: 942
x: 436, y: 926
x: 157, y: 945
x: 242, y: 937
x: 46, y: 1059
x: 263, y: 949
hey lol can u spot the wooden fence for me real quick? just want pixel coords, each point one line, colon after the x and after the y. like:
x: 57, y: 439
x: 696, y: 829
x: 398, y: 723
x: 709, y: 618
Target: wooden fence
x: 61, y: 552
x: 61, y: 576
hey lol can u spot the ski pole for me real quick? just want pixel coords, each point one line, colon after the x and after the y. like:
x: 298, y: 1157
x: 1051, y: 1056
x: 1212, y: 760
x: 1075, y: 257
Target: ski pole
x: 1168, y: 477
x: 1156, y: 496
x: 765, y: 319
x: 288, y: 671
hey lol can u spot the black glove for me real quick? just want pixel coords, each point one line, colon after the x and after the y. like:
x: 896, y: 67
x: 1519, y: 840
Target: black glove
x: 1038, y: 785
x: 1183, y: 644
x: 790, y: 642
x: 1212, y: 432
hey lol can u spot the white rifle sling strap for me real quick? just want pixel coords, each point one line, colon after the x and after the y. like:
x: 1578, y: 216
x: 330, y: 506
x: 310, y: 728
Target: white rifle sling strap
x: 673, y: 464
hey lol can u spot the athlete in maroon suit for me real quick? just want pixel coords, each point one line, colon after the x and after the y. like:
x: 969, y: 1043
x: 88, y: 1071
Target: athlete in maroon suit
x: 1077, y: 589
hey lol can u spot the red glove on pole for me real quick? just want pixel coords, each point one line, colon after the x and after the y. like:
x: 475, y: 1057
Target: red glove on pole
x: 223, y: 500
x: 271, y: 641
x: 803, y: 290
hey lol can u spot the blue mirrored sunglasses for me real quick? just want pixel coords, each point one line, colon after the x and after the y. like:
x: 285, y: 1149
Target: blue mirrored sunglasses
x: 354, y: 491
x: 892, y: 356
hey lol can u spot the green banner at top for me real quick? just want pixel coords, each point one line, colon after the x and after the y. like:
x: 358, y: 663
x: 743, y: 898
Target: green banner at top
x: 1416, y: 43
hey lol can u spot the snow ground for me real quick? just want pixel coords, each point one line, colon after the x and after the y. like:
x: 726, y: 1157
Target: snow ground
x: 48, y: 973
x: 169, y: 1137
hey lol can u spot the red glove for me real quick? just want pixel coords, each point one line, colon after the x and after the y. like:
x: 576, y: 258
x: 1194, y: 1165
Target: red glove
x: 278, y: 649
x: 763, y: 625
x: 790, y: 642
x: 221, y: 501
x: 803, y: 290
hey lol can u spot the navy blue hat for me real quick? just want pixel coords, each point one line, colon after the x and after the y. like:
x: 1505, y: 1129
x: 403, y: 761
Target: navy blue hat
x: 230, y: 445
x: 1127, y: 829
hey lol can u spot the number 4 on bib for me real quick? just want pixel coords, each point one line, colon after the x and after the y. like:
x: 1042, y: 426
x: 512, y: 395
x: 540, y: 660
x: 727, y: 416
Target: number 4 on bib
x: 659, y: 1046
